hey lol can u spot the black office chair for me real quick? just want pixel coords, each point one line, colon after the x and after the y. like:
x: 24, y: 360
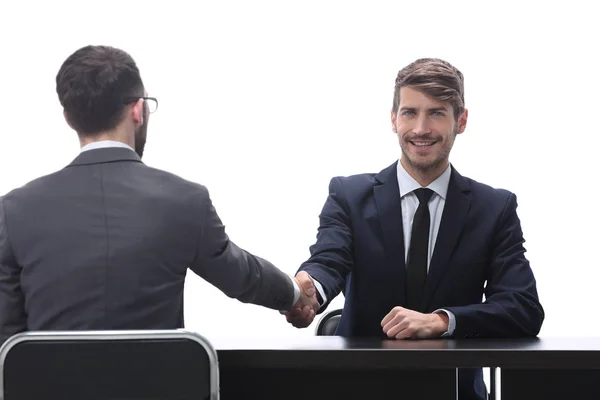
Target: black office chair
x: 328, y: 323
x: 108, y: 365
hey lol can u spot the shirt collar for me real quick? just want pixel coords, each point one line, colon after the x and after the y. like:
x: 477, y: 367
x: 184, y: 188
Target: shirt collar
x: 104, y: 144
x: 408, y: 184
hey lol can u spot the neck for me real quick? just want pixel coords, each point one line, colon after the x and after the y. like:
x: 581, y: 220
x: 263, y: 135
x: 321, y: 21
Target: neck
x: 115, y: 135
x: 424, y: 176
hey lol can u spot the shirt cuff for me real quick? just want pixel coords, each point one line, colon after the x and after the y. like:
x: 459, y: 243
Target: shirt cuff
x: 319, y: 288
x: 296, y: 291
x: 451, y: 322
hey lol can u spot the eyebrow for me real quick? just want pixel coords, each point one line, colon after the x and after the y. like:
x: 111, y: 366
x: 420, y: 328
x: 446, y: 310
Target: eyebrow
x: 429, y: 109
x: 438, y: 109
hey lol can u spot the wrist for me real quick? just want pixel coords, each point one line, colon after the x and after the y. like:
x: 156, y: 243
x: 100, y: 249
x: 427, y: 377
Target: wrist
x: 440, y: 323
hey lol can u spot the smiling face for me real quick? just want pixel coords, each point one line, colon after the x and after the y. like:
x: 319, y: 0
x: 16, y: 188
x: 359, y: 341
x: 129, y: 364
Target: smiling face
x: 426, y: 130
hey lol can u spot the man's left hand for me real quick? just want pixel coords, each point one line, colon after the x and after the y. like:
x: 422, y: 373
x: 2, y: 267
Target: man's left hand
x: 402, y: 323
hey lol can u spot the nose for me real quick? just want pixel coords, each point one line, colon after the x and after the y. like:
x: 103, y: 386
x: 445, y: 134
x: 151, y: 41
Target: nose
x: 422, y: 126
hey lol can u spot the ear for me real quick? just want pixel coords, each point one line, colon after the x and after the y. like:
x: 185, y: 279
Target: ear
x: 67, y: 119
x: 462, y: 121
x: 393, y: 117
x: 137, y: 112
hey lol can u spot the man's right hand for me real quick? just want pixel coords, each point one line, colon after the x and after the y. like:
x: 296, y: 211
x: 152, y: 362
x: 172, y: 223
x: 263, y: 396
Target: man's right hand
x: 303, y: 312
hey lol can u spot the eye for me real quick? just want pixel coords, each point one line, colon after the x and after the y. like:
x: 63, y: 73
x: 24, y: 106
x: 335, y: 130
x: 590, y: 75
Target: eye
x: 408, y: 113
x: 438, y: 114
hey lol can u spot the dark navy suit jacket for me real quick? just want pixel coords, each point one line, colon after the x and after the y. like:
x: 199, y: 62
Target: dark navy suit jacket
x: 479, y: 250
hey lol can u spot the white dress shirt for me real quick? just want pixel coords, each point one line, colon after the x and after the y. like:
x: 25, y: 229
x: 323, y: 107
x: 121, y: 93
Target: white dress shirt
x: 104, y: 144
x: 409, y: 203
x: 113, y: 143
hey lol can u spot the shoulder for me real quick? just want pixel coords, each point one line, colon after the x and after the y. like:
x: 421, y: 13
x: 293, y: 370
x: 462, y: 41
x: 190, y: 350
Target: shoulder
x: 149, y: 182
x: 39, y: 185
x: 354, y: 182
x: 488, y: 196
x: 171, y: 181
x: 360, y: 183
x: 488, y: 190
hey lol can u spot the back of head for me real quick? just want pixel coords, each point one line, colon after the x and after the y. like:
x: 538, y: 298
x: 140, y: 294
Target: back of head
x: 94, y: 85
x: 435, y: 77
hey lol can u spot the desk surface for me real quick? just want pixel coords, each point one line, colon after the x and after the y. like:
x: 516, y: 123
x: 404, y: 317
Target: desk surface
x: 336, y: 352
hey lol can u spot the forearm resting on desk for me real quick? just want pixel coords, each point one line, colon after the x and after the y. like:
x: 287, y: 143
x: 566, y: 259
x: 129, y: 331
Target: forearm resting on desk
x: 448, y: 318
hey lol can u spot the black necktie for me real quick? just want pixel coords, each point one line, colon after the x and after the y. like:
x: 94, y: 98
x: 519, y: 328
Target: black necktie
x: 416, y: 273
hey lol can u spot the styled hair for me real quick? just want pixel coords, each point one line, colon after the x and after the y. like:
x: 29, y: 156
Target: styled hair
x: 435, y: 77
x: 94, y: 85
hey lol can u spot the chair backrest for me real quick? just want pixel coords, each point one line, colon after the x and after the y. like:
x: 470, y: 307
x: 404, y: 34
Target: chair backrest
x: 328, y: 323
x: 108, y: 365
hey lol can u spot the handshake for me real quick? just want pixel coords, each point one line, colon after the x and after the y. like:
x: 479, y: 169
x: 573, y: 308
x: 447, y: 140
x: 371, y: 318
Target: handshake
x: 303, y: 312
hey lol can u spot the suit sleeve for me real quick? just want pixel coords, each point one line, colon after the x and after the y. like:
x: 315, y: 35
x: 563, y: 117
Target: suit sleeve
x: 236, y: 272
x: 512, y: 307
x: 332, y: 256
x: 12, y: 301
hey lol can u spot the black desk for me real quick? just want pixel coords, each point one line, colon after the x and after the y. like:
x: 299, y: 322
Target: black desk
x: 278, y: 367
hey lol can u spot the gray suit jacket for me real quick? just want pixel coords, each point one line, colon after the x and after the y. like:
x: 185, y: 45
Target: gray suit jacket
x: 105, y: 243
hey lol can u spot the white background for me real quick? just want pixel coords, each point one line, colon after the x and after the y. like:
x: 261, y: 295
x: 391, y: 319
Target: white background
x: 263, y: 102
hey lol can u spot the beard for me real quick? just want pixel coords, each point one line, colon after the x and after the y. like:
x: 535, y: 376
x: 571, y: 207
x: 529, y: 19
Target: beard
x: 140, y: 134
x: 437, y: 160
x: 424, y: 166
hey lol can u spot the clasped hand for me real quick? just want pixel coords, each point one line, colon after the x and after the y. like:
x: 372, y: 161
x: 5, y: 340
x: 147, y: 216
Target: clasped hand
x: 303, y: 312
x: 399, y: 323
x: 402, y: 323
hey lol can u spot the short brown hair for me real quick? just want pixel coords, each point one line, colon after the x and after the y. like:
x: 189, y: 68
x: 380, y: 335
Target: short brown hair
x: 92, y: 85
x: 435, y: 77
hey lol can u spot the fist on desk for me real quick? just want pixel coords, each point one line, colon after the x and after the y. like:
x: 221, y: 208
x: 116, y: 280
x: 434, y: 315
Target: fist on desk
x: 402, y: 323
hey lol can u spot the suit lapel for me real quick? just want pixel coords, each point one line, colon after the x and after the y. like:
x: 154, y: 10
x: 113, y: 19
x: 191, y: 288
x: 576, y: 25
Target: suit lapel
x: 456, y: 209
x: 387, y: 200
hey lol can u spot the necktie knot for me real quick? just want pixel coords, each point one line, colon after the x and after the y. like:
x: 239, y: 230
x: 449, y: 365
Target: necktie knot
x: 424, y: 194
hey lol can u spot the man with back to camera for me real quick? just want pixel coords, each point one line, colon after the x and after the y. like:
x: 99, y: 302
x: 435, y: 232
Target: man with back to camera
x: 105, y: 243
x: 416, y: 246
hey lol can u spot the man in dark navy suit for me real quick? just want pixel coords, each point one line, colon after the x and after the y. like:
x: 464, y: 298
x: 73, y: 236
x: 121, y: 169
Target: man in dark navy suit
x: 415, y: 247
